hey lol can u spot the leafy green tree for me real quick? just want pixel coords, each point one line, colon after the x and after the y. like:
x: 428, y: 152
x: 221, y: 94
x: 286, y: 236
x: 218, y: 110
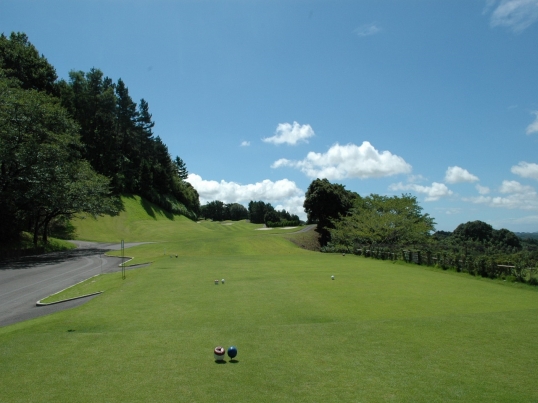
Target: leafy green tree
x: 181, y: 168
x: 506, y: 237
x: 257, y: 211
x: 271, y: 216
x: 213, y: 210
x: 20, y: 60
x: 473, y: 231
x: 41, y: 173
x: 236, y: 212
x: 65, y: 190
x: 325, y: 202
x: 383, y: 220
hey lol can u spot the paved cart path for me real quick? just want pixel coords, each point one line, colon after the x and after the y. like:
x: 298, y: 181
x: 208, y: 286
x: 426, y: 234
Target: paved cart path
x: 25, y: 280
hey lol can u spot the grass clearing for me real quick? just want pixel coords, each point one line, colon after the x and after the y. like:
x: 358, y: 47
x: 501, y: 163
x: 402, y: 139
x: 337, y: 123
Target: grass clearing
x: 378, y: 332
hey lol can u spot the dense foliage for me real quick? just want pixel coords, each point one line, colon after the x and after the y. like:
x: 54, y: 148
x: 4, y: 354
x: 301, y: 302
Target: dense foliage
x: 121, y: 145
x: 219, y: 211
x: 260, y: 212
x: 325, y: 202
x: 379, y: 219
x: 66, y: 146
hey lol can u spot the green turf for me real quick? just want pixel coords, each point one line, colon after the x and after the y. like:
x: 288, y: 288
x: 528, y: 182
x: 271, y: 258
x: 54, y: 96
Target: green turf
x: 378, y: 332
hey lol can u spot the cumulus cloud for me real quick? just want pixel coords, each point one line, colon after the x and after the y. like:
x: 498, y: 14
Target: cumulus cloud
x: 483, y: 190
x: 283, y: 193
x: 515, y: 187
x: 456, y: 174
x: 291, y: 134
x: 516, y: 15
x: 433, y: 192
x: 515, y: 196
x: 526, y: 170
x: 349, y: 161
x: 533, y: 127
x: 245, y: 143
x: 293, y: 205
x: 231, y: 192
x: 367, y: 30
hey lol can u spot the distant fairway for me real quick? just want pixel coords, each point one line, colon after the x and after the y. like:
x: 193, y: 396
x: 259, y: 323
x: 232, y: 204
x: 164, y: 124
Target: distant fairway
x: 378, y: 332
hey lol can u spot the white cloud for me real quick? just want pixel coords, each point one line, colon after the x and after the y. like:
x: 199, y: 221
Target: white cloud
x: 291, y: 134
x: 349, y: 161
x: 483, y: 190
x: 433, y: 192
x: 518, y: 196
x: 245, y: 143
x: 456, y: 174
x: 367, y: 30
x: 284, y: 192
x: 533, y: 127
x: 293, y: 205
x: 526, y: 170
x: 516, y: 15
x: 515, y: 187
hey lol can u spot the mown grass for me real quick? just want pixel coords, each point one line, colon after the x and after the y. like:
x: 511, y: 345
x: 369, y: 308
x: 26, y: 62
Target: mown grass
x: 378, y: 332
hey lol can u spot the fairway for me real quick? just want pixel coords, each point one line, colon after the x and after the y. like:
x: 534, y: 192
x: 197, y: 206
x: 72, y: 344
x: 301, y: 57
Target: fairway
x: 378, y: 332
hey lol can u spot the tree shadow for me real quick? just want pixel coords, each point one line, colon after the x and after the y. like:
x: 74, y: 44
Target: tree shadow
x: 28, y: 262
x: 148, y: 207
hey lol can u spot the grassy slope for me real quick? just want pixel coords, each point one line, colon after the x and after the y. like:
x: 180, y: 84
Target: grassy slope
x: 379, y: 332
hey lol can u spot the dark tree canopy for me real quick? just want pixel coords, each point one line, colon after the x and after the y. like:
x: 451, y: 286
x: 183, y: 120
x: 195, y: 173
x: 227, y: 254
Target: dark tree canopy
x: 64, y: 145
x: 41, y: 173
x: 20, y: 60
x: 219, y: 211
x: 324, y: 202
x: 482, y: 232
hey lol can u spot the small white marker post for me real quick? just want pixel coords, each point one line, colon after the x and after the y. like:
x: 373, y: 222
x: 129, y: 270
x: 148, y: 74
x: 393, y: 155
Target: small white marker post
x: 122, y: 259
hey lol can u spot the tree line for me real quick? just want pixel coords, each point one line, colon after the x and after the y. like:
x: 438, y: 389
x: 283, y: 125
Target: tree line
x: 348, y: 222
x: 72, y: 146
x: 258, y: 212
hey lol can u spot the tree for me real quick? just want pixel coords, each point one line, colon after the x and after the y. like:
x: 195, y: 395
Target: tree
x: 181, y: 168
x: 68, y: 189
x: 213, y: 210
x: 325, y: 202
x: 474, y: 231
x: 236, y: 212
x: 20, y: 60
x: 257, y: 211
x: 383, y: 220
x: 482, y: 232
x: 41, y: 173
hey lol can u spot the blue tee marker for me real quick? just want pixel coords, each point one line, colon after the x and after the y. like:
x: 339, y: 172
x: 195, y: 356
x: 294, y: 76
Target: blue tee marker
x: 232, y: 352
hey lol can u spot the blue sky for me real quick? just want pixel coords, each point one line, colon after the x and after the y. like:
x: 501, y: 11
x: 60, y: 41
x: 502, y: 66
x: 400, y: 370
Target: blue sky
x: 434, y: 98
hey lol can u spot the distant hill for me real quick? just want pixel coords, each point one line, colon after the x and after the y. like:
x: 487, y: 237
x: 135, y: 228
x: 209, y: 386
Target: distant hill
x: 527, y: 235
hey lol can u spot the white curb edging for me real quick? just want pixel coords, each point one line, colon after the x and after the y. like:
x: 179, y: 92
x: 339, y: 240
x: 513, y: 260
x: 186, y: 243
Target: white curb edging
x: 39, y: 303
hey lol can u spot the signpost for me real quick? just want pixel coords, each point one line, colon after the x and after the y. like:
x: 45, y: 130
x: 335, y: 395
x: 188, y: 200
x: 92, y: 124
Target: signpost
x: 122, y: 259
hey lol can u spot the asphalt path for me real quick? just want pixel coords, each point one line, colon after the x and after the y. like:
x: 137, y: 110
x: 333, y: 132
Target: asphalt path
x: 26, y: 280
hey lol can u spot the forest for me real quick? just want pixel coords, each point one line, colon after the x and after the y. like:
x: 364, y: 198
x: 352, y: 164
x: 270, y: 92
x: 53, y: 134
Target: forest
x: 73, y: 146
x: 258, y: 212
